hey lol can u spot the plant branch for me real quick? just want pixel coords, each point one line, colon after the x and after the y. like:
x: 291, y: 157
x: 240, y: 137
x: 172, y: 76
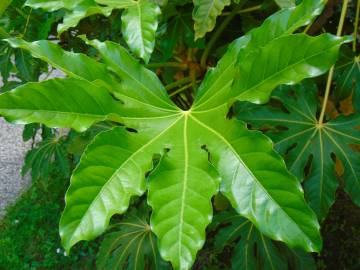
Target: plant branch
x: 331, y: 72
x: 181, y: 89
x: 356, y: 25
x: 217, y: 34
x: 178, y: 91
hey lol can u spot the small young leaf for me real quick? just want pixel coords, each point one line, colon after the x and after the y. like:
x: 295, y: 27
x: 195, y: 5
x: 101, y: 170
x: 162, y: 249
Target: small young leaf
x: 139, y: 24
x: 205, y: 14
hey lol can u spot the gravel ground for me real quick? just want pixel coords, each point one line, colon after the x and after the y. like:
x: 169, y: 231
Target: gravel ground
x: 12, y: 151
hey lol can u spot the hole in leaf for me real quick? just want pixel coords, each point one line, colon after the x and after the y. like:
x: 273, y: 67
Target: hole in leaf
x: 131, y: 130
x: 290, y: 148
x: 276, y: 103
x: 116, y: 98
x: 307, y: 168
x: 281, y: 128
x: 204, y: 147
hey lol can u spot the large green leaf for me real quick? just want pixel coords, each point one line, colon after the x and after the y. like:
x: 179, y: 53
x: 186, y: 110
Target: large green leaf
x: 205, y: 13
x: 139, y: 24
x: 75, y: 65
x: 280, y: 24
x: 198, y: 147
x: 129, y: 81
x: 59, y: 103
x: 112, y: 170
x: 309, y: 145
x: 250, y: 170
x: 253, y: 250
x: 277, y: 63
x: 136, y: 81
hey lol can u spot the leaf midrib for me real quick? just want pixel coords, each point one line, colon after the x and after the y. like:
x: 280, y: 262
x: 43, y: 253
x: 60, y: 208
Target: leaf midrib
x: 253, y: 88
x: 249, y: 171
x: 120, y: 167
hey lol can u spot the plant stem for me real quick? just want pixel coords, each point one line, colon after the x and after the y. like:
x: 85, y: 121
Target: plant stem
x: 307, y: 28
x: 181, y: 89
x: 245, y: 10
x: 178, y: 83
x: 217, y: 34
x: 331, y: 72
x: 168, y: 64
x: 356, y: 25
x: 27, y: 23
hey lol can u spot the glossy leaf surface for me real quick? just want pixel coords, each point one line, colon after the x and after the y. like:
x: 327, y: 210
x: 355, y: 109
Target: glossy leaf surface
x: 277, y: 63
x: 202, y: 151
x: 72, y: 64
x: 56, y: 103
x: 305, y: 143
x: 205, y: 14
x: 139, y: 24
x: 280, y: 24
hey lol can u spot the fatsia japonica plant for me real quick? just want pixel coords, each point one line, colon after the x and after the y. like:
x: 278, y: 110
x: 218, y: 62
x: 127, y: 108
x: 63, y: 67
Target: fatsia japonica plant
x: 180, y: 158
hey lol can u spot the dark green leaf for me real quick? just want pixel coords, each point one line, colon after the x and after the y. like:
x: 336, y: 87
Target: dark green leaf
x: 305, y: 143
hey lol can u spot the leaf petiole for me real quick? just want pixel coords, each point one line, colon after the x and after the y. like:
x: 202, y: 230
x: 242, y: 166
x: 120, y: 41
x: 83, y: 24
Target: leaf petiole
x: 331, y: 72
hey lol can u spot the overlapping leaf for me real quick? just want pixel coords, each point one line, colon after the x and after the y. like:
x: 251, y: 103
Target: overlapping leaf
x: 131, y: 245
x: 307, y: 144
x: 84, y: 9
x: 280, y: 24
x: 199, y: 147
x: 69, y: 103
x: 347, y: 77
x: 139, y: 21
x: 139, y: 24
x: 253, y: 250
